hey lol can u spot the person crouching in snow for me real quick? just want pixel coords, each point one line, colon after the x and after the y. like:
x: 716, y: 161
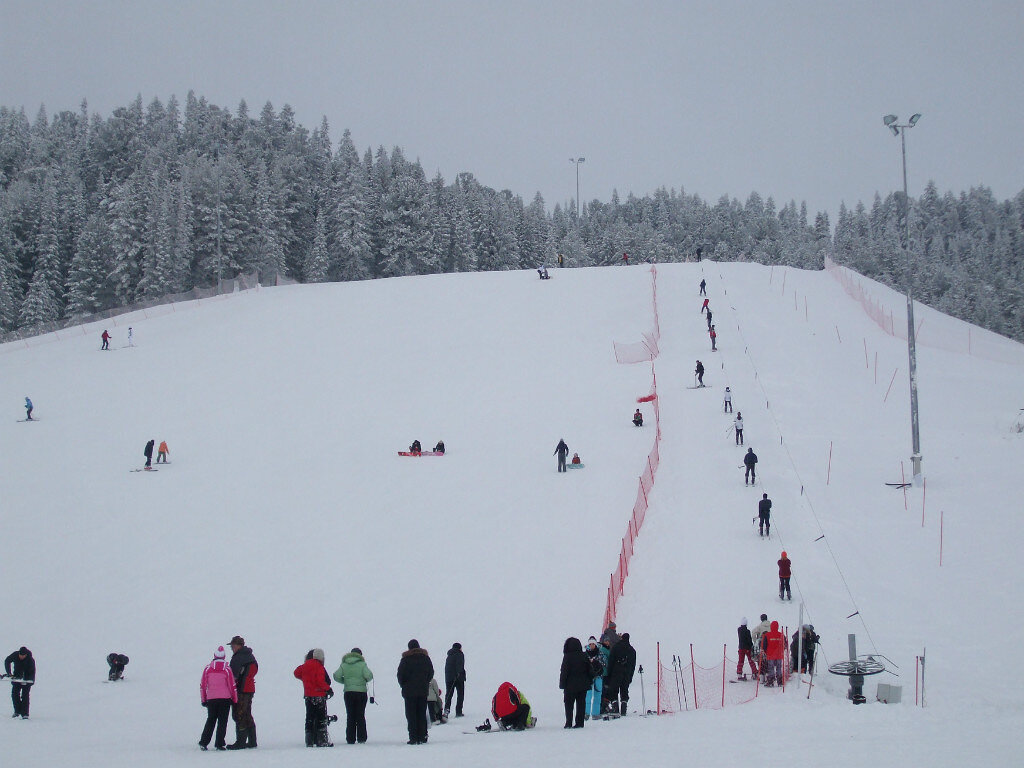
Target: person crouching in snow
x: 638, y: 418
x: 316, y: 689
x: 510, y: 708
x: 434, y: 709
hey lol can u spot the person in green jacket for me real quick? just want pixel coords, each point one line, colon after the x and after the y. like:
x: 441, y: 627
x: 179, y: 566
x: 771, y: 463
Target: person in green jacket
x: 354, y: 675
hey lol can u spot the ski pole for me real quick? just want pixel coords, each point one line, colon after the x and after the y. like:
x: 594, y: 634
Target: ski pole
x: 373, y: 691
x: 675, y: 672
x: 643, y: 697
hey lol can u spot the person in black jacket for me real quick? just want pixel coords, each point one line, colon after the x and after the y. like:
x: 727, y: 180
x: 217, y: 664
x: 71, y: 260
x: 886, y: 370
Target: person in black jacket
x: 746, y: 649
x: 621, y: 665
x: 454, y: 679
x: 117, y: 663
x: 562, y: 450
x: 574, y: 680
x: 148, y: 453
x: 415, y: 671
x: 764, y: 515
x: 21, y: 668
x: 749, y: 461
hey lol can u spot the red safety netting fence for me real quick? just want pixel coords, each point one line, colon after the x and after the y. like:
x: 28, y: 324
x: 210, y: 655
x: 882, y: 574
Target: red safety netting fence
x: 626, y: 354
x: 966, y: 339
x: 683, y: 686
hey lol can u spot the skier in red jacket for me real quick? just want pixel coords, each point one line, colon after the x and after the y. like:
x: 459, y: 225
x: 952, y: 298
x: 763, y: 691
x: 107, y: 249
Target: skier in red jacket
x: 774, y: 644
x: 316, y: 688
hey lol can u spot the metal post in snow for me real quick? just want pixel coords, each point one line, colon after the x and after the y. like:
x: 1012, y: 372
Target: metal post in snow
x: 800, y: 646
x: 866, y: 363
x: 924, y: 494
x: 658, y: 683
x: 724, y: 660
x: 828, y: 479
x: 942, y: 516
x: 693, y: 673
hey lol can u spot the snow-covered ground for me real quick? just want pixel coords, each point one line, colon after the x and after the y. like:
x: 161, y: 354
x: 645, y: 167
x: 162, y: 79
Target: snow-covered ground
x: 286, y: 515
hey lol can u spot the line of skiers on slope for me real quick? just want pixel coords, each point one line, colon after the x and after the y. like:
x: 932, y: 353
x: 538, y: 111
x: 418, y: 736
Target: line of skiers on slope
x: 764, y: 648
x: 705, y: 309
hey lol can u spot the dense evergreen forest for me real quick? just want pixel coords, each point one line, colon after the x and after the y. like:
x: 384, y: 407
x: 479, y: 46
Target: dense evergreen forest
x: 97, y: 213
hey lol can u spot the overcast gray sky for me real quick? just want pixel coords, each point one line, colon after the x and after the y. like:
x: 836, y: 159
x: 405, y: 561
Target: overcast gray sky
x: 723, y: 97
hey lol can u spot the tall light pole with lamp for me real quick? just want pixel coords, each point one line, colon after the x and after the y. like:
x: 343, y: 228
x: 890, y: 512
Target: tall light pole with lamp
x: 898, y: 129
x: 576, y: 161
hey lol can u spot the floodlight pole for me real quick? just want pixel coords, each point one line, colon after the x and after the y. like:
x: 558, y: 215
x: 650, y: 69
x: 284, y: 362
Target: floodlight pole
x: 576, y: 161
x: 901, y: 131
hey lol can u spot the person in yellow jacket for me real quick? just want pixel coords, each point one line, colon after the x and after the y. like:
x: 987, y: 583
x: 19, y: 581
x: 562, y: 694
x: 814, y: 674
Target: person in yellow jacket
x: 161, y: 454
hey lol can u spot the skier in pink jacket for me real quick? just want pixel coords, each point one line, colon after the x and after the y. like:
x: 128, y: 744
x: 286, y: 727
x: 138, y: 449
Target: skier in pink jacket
x: 218, y: 692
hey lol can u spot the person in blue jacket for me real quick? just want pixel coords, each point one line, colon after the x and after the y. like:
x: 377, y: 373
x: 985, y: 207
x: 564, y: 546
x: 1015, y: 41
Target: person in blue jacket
x: 28, y: 409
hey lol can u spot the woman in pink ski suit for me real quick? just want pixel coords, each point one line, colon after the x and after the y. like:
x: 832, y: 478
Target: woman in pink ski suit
x: 217, y: 691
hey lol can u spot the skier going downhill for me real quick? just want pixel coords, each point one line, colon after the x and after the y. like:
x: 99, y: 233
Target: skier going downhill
x: 699, y: 370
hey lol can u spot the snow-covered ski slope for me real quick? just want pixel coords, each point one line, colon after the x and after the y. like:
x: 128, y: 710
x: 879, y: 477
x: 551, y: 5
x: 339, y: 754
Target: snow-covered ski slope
x: 288, y: 517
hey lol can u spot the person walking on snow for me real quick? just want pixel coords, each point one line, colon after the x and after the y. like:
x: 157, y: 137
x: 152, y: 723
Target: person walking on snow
x: 703, y: 285
x: 699, y: 370
x: 162, y: 451
x: 106, y: 340
x: 353, y: 674
x: 454, y: 679
x: 625, y: 259
x: 785, y: 572
x: 316, y: 689
x: 713, y: 335
x: 727, y: 402
x: 764, y: 514
x: 130, y: 344
x: 709, y: 318
x: 704, y: 306
x: 148, y: 453
x: 562, y: 450
x: 21, y: 668
x: 749, y: 461
x: 28, y: 409
x: 217, y: 692
x: 746, y: 651
x: 738, y: 427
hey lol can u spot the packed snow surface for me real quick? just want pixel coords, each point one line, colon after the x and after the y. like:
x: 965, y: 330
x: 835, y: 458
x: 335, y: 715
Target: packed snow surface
x: 287, y: 516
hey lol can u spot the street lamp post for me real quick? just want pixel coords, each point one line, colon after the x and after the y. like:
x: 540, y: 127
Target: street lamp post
x: 892, y: 123
x: 576, y: 161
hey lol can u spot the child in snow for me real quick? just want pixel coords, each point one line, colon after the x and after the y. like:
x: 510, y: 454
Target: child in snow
x: 117, y: 663
x: 434, y: 708
x: 576, y: 459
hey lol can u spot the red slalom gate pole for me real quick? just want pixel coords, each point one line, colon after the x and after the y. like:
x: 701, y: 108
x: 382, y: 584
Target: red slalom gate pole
x: 941, y: 523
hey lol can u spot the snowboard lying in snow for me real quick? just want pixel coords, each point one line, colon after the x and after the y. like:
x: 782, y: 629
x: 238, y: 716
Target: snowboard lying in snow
x: 575, y: 466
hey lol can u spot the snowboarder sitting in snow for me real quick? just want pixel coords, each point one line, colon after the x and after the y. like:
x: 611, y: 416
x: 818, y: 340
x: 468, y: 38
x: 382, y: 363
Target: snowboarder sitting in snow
x: 439, y: 448
x: 638, y: 418
x: 316, y: 689
x: 749, y: 461
x: 415, y: 447
x: 510, y: 708
x: 576, y: 459
x: 117, y: 663
x: 699, y: 370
